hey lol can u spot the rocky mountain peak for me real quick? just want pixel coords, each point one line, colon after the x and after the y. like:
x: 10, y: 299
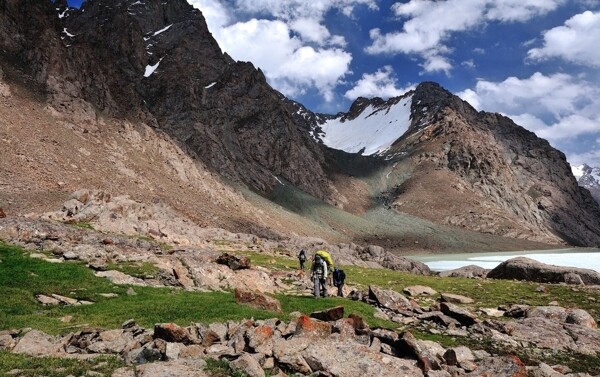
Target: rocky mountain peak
x: 588, y: 177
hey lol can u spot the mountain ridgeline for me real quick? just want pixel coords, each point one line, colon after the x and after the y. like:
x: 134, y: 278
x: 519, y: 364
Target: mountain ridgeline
x: 436, y: 159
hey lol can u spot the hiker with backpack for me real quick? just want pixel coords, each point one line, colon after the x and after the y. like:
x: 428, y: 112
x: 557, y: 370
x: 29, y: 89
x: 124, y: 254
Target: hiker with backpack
x: 318, y: 273
x: 326, y: 257
x: 338, y: 280
x: 302, y: 258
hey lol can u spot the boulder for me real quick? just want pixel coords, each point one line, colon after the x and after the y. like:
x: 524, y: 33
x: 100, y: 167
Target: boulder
x: 329, y: 315
x: 260, y: 339
x: 553, y: 313
x: 501, y: 366
x: 522, y: 268
x: 311, y: 328
x: 234, y: 262
x: 419, y: 290
x: 470, y: 271
x: 582, y: 318
x: 36, y: 343
x: 460, y: 356
x: 439, y: 318
x: 249, y: 365
x: 389, y: 299
x: 350, y: 359
x: 428, y: 354
x: 257, y: 300
x: 288, y: 353
x: 456, y: 299
x: 2, y: 214
x: 171, y: 332
x: 463, y: 316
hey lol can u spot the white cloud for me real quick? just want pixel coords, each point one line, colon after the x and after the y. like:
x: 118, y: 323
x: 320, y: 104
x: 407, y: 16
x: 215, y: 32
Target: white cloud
x: 215, y: 14
x: 468, y: 64
x: 291, y: 9
x: 428, y: 24
x: 557, y: 107
x: 382, y: 83
x: 295, y: 50
x: 284, y: 59
x: 576, y: 41
x: 311, y: 30
x: 591, y: 158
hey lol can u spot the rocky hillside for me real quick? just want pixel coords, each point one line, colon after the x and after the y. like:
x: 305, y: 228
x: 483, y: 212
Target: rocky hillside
x: 136, y: 98
x: 157, y: 62
x: 477, y: 170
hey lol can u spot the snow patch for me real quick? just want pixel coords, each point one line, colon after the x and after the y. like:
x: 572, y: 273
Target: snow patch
x: 151, y: 68
x: 372, y: 132
x: 162, y: 30
x: 210, y: 85
x: 67, y: 33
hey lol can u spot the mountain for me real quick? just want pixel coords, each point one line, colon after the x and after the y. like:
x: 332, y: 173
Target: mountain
x: 589, y: 178
x: 137, y: 98
x: 477, y: 170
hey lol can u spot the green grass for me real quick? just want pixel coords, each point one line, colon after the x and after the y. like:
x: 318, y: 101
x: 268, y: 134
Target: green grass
x: 136, y: 269
x: 486, y: 292
x: 82, y: 225
x: 221, y: 368
x: 55, y: 367
x: 22, y: 278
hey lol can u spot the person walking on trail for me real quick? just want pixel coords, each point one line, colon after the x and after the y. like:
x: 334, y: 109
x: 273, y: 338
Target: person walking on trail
x: 338, y: 281
x: 318, y: 273
x: 302, y: 258
x: 328, y: 260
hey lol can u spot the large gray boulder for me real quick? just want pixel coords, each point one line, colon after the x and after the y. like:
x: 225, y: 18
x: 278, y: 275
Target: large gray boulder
x: 522, y: 268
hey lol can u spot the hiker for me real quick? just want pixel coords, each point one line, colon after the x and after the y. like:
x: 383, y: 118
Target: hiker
x: 327, y: 258
x: 338, y: 280
x: 318, y: 273
x: 302, y: 258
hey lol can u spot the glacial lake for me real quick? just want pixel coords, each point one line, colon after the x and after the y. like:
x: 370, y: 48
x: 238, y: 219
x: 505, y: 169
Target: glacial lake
x: 581, y: 257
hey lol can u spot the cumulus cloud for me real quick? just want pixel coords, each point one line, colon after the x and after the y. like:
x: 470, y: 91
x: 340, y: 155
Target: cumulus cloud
x: 576, y: 41
x: 557, y: 107
x: 382, y: 83
x: 215, y: 14
x: 428, y: 25
x: 289, y: 40
x: 291, y: 9
x: 283, y: 58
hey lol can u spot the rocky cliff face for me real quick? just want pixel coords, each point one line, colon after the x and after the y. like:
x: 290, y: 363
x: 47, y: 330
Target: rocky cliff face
x: 157, y: 62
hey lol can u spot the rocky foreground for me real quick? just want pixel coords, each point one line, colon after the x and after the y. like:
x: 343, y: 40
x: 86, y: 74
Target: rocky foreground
x: 329, y: 343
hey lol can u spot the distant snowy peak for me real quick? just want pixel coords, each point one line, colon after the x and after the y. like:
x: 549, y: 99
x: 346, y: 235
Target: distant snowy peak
x: 370, y: 127
x: 587, y: 176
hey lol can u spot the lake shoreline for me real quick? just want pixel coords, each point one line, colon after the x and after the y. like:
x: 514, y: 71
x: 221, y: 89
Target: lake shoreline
x: 566, y: 257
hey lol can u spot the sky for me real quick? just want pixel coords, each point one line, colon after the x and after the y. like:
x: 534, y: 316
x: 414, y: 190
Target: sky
x: 536, y: 61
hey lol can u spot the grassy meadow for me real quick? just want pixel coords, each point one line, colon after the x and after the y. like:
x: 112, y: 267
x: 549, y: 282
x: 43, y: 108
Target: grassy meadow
x: 23, y: 277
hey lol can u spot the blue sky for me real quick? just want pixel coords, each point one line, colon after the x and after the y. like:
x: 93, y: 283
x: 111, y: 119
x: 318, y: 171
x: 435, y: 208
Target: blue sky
x: 536, y: 61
